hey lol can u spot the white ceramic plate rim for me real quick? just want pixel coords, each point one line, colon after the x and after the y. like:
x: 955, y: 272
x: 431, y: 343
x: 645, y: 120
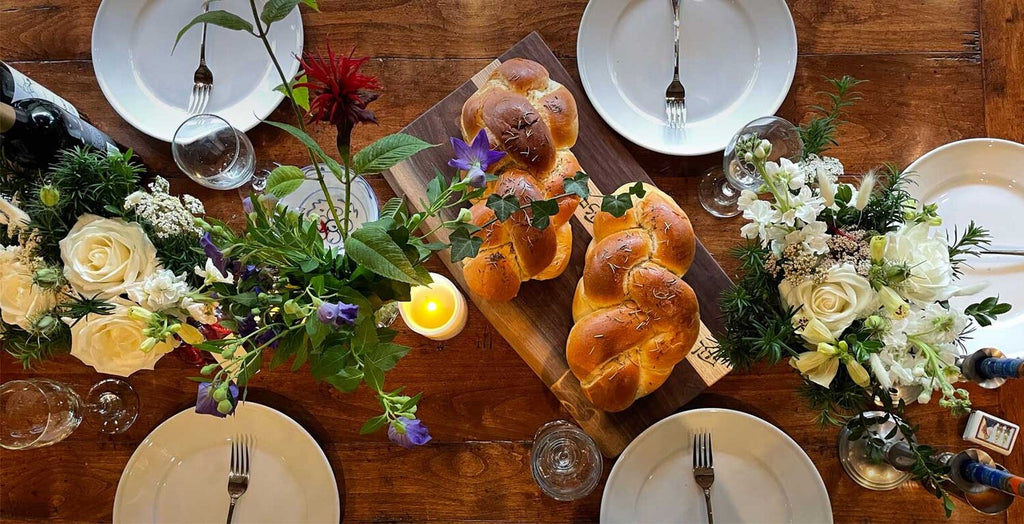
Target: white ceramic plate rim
x: 683, y: 149
x: 668, y: 421
x: 267, y: 411
x: 245, y: 123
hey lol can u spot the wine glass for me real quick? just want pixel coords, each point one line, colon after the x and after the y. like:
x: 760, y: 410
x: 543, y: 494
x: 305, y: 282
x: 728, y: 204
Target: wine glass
x: 719, y: 189
x: 39, y: 412
x: 565, y: 461
x: 213, y: 153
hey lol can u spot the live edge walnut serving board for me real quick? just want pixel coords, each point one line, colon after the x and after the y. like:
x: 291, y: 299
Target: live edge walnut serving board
x: 537, y: 322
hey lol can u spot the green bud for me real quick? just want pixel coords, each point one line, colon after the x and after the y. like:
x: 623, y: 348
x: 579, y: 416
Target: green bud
x: 139, y: 313
x: 465, y: 215
x: 209, y: 368
x: 292, y: 308
x: 44, y: 324
x: 48, y: 278
x: 875, y: 323
x: 220, y: 394
x: 877, y: 249
x: 225, y: 406
x: 228, y: 352
x: 49, y: 196
x: 147, y: 345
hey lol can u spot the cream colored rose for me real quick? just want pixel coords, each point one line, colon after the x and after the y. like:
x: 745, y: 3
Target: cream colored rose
x: 104, y: 256
x: 931, y: 275
x: 20, y: 299
x: 844, y: 296
x: 110, y: 343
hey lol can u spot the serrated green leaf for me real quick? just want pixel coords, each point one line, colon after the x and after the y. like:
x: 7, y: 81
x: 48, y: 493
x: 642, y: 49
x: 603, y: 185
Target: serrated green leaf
x: 374, y: 424
x: 284, y: 180
x: 617, y: 205
x: 392, y: 208
x: 386, y: 152
x: 464, y: 245
x: 219, y: 18
x: 346, y: 380
x: 316, y: 331
x: 386, y: 356
x: 503, y: 206
x: 373, y: 248
x: 301, y: 355
x: 435, y: 186
x: 276, y: 10
x: 578, y: 185
x: 299, y: 94
x: 373, y: 376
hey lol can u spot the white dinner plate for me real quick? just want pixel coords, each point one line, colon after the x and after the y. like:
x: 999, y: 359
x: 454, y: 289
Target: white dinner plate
x: 737, y: 59
x: 150, y: 87
x: 761, y: 475
x: 982, y: 179
x: 179, y: 472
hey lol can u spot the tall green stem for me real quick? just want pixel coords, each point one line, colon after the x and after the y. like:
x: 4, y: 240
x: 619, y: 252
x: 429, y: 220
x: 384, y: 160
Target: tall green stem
x: 262, y: 35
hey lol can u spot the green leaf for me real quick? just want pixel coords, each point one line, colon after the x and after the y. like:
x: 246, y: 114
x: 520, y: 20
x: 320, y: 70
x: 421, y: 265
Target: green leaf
x: 284, y: 180
x: 276, y: 10
x: 577, y: 185
x: 346, y: 380
x: 638, y: 190
x: 617, y: 205
x: 312, y: 5
x: 309, y: 142
x: 392, y: 208
x: 464, y: 245
x: 301, y: 355
x: 386, y: 356
x: 316, y: 330
x: 299, y: 94
x: 218, y: 18
x: 386, y: 152
x: 373, y: 248
x: 843, y: 194
x: 503, y: 206
x: 374, y: 424
x: 542, y: 211
x: 373, y: 376
x: 435, y: 187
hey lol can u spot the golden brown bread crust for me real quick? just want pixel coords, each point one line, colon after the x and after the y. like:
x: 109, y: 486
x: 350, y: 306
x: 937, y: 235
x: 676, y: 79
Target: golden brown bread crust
x: 534, y: 120
x: 635, y: 317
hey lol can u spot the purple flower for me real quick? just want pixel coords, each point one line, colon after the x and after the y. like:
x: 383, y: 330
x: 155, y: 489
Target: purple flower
x: 476, y: 177
x: 247, y: 205
x: 207, y: 402
x: 266, y: 337
x: 213, y: 252
x: 408, y: 432
x: 247, y: 325
x: 479, y: 155
x: 340, y: 314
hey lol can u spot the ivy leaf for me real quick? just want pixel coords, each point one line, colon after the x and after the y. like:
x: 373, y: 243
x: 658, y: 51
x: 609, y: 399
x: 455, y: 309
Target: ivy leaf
x: 374, y: 424
x: 219, y: 18
x: 284, y: 180
x: 617, y: 205
x: 276, y: 10
x: 542, y: 211
x: 464, y: 245
x: 503, y: 206
x: 577, y: 185
x: 638, y: 190
x: 373, y: 248
x: 386, y: 152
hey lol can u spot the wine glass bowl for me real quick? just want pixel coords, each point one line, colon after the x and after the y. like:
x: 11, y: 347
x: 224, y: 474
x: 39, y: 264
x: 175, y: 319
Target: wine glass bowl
x: 565, y: 461
x: 213, y: 153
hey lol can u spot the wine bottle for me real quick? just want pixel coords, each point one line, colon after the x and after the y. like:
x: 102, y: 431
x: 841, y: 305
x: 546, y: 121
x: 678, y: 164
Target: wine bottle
x: 15, y: 86
x: 34, y: 130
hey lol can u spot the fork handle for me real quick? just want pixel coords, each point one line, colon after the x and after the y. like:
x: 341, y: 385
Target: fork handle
x: 675, y: 26
x: 231, y: 510
x: 707, y: 504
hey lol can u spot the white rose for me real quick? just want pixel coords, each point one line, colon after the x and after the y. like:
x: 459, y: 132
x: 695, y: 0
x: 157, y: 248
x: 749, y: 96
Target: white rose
x: 110, y: 343
x: 841, y: 298
x: 159, y: 291
x: 104, y: 256
x: 931, y: 275
x: 20, y: 299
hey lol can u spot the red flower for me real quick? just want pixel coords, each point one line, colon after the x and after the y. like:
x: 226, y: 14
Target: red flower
x: 338, y: 92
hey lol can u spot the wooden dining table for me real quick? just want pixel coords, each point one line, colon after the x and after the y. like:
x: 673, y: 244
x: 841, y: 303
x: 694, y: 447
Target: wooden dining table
x: 938, y: 71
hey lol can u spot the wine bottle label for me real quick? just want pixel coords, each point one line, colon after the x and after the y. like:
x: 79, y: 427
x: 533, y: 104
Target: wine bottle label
x: 1001, y: 367
x: 25, y: 87
x: 992, y: 477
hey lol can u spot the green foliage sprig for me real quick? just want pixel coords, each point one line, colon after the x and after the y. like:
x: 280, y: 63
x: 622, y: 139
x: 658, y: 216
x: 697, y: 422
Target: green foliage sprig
x: 819, y: 134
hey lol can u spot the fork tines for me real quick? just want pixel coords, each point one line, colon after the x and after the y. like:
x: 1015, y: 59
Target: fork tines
x: 240, y: 457
x: 675, y: 110
x: 702, y: 455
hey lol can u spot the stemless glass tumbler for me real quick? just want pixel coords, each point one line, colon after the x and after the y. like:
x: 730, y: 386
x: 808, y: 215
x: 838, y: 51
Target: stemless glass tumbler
x: 565, y: 461
x: 719, y: 189
x: 39, y: 412
x: 213, y: 153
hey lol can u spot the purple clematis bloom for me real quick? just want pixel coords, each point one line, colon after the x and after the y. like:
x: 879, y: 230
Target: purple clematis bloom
x: 213, y: 253
x: 475, y: 158
x: 206, y: 404
x: 408, y: 432
x: 337, y: 315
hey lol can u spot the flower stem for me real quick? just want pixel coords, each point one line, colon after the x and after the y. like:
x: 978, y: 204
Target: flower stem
x: 262, y: 35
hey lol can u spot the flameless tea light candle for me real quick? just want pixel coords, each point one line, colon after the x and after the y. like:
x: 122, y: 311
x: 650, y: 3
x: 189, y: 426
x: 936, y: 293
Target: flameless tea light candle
x: 437, y: 311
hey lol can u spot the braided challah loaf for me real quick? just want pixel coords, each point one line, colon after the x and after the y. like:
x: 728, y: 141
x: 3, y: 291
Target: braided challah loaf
x: 635, y: 317
x: 533, y: 119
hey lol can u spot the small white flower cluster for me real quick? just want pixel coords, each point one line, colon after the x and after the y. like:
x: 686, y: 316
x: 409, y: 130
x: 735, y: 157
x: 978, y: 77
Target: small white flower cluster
x: 791, y: 217
x: 165, y: 292
x: 169, y: 215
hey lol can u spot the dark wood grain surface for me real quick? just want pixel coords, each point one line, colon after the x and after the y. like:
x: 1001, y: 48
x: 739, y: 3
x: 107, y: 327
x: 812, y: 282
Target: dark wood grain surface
x: 940, y: 70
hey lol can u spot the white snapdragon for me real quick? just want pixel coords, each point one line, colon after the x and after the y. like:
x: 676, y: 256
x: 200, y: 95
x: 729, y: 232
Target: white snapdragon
x: 211, y: 275
x: 160, y: 291
x: 763, y: 217
x: 202, y: 312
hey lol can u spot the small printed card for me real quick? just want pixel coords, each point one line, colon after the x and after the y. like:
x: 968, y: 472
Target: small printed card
x: 991, y: 432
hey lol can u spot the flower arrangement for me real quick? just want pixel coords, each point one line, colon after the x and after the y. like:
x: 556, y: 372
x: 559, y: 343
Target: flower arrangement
x: 88, y: 257
x: 284, y: 296
x: 850, y: 282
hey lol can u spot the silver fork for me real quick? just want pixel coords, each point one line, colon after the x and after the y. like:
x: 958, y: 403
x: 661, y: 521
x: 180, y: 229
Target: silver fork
x: 202, y: 80
x: 238, y: 474
x: 704, y: 468
x: 675, y: 95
